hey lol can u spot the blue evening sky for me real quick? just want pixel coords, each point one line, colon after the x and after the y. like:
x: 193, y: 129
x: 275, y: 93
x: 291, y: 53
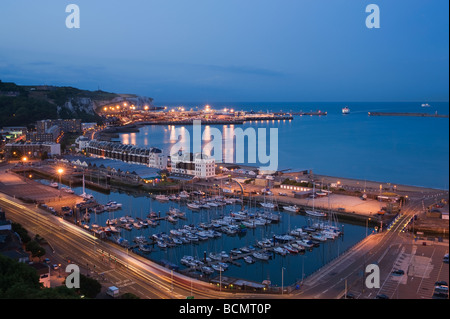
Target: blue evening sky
x: 232, y: 50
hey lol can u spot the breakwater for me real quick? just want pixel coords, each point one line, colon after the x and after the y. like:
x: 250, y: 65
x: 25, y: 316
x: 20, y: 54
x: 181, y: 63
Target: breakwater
x: 407, y: 114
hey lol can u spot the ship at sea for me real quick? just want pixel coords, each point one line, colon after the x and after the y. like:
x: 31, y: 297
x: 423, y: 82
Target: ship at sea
x: 345, y: 110
x: 426, y: 105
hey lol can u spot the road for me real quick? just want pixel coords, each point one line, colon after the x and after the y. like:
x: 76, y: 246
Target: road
x: 72, y: 244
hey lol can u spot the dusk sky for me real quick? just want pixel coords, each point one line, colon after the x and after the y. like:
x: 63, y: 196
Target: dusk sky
x: 232, y: 50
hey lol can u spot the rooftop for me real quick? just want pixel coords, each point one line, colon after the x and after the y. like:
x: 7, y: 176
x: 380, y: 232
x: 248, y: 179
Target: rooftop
x: 142, y: 171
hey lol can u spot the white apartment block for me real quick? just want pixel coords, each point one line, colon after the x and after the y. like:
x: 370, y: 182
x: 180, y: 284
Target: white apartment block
x: 198, y: 164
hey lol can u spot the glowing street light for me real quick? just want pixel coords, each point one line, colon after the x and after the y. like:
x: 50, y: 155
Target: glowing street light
x: 60, y: 172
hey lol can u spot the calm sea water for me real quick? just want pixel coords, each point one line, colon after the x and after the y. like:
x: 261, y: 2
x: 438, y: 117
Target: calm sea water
x: 399, y: 150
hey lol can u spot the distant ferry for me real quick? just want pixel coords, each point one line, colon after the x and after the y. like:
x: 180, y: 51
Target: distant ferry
x: 345, y: 110
x: 426, y: 105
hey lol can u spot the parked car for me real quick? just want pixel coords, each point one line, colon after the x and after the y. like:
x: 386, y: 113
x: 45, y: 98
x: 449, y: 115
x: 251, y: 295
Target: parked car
x: 441, y: 286
x: 398, y: 272
x: 441, y: 283
x: 440, y: 295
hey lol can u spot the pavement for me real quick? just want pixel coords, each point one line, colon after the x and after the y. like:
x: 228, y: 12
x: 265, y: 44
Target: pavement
x: 23, y: 187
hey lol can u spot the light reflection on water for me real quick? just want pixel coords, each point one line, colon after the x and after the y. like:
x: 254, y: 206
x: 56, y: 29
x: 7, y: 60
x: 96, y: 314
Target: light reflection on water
x: 376, y: 148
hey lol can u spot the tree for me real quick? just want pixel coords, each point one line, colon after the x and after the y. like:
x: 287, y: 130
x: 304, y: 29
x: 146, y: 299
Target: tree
x: 35, y: 249
x: 89, y: 287
x: 22, y: 232
x: 20, y: 281
x: 129, y: 295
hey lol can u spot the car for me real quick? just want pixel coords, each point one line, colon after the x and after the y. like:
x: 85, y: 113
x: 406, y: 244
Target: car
x: 381, y: 296
x: 441, y: 286
x: 398, y: 272
x: 440, y: 295
x: 47, y: 261
x: 349, y: 296
x: 441, y: 289
x: 55, y: 267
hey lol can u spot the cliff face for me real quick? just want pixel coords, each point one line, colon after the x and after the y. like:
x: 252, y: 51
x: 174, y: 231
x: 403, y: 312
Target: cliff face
x: 78, y: 105
x: 139, y: 101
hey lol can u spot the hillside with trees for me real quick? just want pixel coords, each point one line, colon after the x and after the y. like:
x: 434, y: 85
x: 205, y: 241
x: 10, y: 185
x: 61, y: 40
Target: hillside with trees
x: 24, y: 105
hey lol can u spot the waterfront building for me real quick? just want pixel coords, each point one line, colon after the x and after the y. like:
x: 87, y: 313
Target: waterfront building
x: 66, y: 125
x: 81, y: 143
x: 32, y: 149
x: 11, y: 132
x: 152, y: 157
x: 49, y: 135
x: 198, y: 164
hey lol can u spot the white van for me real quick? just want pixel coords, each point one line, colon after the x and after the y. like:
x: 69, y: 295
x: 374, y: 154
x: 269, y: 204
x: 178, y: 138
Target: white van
x: 113, y: 291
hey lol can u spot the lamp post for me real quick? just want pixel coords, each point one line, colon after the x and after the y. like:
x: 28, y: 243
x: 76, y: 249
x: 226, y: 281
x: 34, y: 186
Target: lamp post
x: 282, y: 279
x: 24, y: 160
x: 60, y: 171
x: 367, y: 225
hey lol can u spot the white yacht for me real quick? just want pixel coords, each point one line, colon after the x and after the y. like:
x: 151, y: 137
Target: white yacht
x: 268, y: 205
x: 345, y: 110
x: 162, y: 197
x: 193, y: 206
x: 260, y: 256
x: 315, y: 213
x: 293, y: 208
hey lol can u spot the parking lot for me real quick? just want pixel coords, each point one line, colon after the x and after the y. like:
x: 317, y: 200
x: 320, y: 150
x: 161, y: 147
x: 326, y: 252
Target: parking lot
x: 416, y: 271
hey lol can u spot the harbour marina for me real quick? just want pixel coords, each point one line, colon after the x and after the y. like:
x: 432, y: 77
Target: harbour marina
x: 254, y: 248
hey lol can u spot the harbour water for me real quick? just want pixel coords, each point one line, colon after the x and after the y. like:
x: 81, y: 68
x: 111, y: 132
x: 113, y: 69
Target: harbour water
x: 398, y: 150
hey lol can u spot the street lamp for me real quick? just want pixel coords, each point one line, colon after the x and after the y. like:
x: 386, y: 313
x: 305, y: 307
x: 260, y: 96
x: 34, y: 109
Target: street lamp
x: 60, y: 171
x: 24, y: 159
x: 282, y: 279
